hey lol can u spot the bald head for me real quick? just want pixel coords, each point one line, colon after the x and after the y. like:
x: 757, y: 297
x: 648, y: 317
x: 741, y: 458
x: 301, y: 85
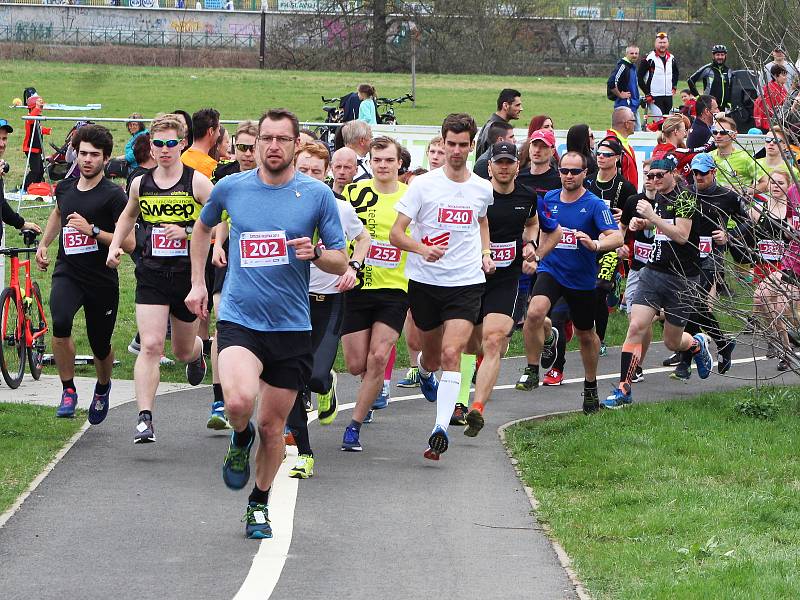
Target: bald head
x: 623, y: 120
x: 344, y: 166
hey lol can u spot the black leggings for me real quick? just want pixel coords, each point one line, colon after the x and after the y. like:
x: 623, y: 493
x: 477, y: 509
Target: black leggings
x: 99, y: 308
x: 601, y: 312
x: 326, y: 325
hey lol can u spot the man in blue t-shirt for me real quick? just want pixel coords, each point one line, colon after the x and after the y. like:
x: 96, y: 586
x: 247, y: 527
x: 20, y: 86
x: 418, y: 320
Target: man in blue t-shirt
x: 263, y: 333
x: 569, y: 272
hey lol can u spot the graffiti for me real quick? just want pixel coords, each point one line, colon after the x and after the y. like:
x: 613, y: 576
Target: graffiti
x: 244, y: 29
x: 187, y: 26
x: 38, y: 31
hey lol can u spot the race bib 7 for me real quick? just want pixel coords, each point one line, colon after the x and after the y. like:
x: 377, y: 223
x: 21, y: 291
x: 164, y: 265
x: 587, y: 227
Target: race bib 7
x: 76, y: 242
x: 163, y: 246
x: 569, y: 241
x: 705, y: 246
x: 455, y: 217
x: 383, y: 254
x: 503, y: 253
x: 263, y: 249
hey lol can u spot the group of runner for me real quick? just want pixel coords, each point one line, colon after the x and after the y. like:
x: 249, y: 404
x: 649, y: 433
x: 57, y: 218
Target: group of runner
x: 298, y: 266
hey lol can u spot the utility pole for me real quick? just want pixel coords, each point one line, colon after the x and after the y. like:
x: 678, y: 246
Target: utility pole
x: 414, y: 41
x: 262, y: 56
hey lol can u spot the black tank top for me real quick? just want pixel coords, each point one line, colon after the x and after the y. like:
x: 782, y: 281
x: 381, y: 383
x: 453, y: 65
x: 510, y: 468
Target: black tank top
x: 173, y: 206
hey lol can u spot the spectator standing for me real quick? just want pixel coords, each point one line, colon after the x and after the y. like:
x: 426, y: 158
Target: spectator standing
x: 368, y: 109
x: 779, y: 58
x: 658, y: 77
x: 623, y: 85
x: 32, y: 143
x: 773, y: 97
x: 715, y: 76
x: 509, y: 107
x: 350, y: 105
x: 357, y: 135
x: 499, y: 132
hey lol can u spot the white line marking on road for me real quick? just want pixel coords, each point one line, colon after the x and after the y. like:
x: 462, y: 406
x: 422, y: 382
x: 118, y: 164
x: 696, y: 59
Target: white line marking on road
x: 271, y: 557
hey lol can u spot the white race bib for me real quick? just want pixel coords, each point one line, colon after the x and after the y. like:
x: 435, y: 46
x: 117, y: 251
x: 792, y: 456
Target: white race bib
x: 569, y: 241
x: 383, y: 254
x: 503, y: 253
x: 770, y: 249
x: 642, y: 251
x: 263, y: 249
x: 705, y: 246
x: 76, y: 242
x: 453, y: 217
x: 163, y: 246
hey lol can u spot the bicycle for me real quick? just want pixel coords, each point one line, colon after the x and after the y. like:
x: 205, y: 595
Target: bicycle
x: 388, y: 117
x: 327, y: 133
x: 21, y: 334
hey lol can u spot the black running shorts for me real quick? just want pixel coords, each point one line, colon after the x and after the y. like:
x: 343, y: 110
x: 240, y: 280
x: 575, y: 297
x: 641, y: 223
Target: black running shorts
x: 500, y: 295
x: 363, y: 308
x: 164, y: 288
x: 581, y: 302
x: 432, y: 305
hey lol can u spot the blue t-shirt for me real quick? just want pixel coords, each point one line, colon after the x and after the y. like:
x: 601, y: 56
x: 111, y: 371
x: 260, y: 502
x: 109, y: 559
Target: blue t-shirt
x: 266, y: 287
x: 572, y: 264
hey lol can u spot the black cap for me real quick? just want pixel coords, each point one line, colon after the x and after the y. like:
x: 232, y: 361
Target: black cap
x: 503, y: 150
x: 612, y: 144
x: 6, y: 125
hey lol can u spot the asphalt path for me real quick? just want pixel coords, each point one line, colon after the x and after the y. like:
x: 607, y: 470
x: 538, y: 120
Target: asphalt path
x: 114, y: 520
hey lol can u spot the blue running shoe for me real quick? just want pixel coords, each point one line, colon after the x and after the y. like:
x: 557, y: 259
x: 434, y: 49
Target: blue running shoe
x: 369, y: 418
x: 98, y: 409
x: 429, y: 386
x: 437, y: 443
x: 217, y: 419
x: 382, y: 401
x: 69, y: 400
x: 350, y: 442
x: 256, y: 519
x: 617, y: 399
x: 703, y: 358
x: 236, y: 468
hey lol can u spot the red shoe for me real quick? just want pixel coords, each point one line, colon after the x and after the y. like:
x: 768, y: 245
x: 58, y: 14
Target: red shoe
x: 553, y: 377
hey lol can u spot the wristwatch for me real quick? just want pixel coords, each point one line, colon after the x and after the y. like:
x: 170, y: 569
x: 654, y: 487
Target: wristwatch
x: 357, y: 266
x: 188, y: 229
x: 317, y: 253
x: 95, y: 231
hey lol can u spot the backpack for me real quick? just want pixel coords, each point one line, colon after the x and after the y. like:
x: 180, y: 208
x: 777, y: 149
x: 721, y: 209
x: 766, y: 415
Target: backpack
x: 610, y: 86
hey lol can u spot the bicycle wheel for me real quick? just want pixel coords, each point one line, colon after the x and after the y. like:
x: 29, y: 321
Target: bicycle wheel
x: 38, y: 322
x: 12, y: 357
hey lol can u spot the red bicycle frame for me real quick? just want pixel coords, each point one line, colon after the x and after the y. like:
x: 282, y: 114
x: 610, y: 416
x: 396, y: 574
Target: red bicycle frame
x: 21, y: 297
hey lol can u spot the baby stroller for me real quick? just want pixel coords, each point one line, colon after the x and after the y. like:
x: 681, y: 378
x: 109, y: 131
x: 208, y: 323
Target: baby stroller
x: 63, y: 163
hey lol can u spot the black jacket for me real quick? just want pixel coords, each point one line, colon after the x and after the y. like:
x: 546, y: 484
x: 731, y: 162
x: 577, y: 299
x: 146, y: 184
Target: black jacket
x: 716, y: 82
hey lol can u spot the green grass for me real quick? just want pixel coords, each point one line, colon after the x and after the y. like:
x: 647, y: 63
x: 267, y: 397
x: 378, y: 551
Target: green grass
x: 673, y: 500
x: 29, y: 438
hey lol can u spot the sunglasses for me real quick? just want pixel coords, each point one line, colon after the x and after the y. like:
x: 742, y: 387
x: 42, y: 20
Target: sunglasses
x: 652, y: 176
x: 606, y: 154
x: 245, y: 147
x: 715, y: 131
x: 167, y: 143
x: 566, y: 171
x: 773, y: 140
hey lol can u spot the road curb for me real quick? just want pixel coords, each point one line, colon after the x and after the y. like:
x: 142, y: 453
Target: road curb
x: 563, y: 557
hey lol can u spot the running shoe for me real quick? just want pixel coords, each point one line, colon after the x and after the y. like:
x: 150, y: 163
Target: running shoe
x: 327, y: 406
x: 165, y: 362
x: 672, y: 361
x: 591, y: 402
x: 303, y: 468
x: 217, y: 419
x: 529, y: 380
x: 134, y: 347
x: 411, y: 379
x: 703, y: 358
x: 459, y: 415
x: 474, y: 423
x: 69, y: 401
x: 783, y: 365
x: 382, y: 401
x: 638, y: 375
x: 98, y: 409
x: 617, y: 399
x: 429, y: 386
x: 145, y: 434
x: 549, y: 351
x: 369, y: 418
x: 236, y: 468
x: 603, y: 349
x: 553, y: 377
x: 196, y: 370
x: 725, y: 357
x: 682, y: 372
x: 350, y: 441
x: 256, y: 519
x: 437, y: 444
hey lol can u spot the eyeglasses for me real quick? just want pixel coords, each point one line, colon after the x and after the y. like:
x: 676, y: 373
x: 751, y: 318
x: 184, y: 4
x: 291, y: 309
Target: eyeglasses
x: 701, y: 173
x: 566, y: 171
x: 245, y: 147
x: 281, y: 139
x: 658, y: 176
x: 773, y: 140
x: 606, y: 154
x: 167, y: 143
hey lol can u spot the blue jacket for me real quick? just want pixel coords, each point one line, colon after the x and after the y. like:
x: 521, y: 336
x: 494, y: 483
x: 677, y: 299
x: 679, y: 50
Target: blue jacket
x: 624, y: 78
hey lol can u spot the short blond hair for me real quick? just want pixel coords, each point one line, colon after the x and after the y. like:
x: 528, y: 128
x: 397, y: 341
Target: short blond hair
x: 248, y: 128
x: 166, y: 122
x: 436, y: 141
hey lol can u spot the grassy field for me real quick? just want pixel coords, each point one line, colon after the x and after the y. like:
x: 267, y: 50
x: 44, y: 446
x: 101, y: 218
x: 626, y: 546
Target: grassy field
x: 29, y: 438
x: 676, y: 500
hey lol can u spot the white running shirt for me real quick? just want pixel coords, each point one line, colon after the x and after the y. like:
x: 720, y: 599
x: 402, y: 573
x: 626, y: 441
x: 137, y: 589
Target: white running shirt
x: 321, y: 282
x: 444, y: 212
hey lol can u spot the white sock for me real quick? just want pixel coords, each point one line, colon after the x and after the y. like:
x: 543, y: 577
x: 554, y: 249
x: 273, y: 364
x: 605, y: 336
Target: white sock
x: 422, y: 370
x: 446, y: 397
